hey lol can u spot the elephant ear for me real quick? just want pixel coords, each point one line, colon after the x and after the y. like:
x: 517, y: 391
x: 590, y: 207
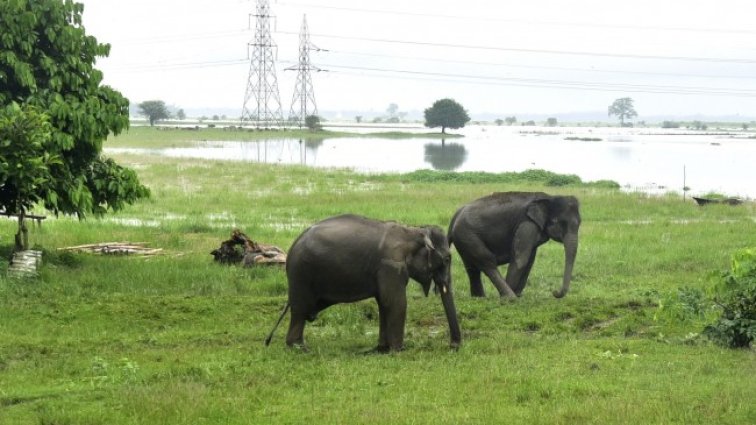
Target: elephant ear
x: 538, y: 212
x: 427, y: 240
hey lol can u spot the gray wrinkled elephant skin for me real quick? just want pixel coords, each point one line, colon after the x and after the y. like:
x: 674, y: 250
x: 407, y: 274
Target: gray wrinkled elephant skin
x: 508, y: 228
x: 349, y: 258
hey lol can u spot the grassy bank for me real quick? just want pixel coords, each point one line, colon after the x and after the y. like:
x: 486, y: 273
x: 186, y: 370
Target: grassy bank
x: 177, y: 339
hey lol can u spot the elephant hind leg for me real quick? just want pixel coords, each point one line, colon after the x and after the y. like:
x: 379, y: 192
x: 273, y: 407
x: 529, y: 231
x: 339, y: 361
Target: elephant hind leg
x: 476, y: 285
x: 300, y: 312
x: 295, y: 335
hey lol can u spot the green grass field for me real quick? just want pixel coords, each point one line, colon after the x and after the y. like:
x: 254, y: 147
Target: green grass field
x: 178, y: 339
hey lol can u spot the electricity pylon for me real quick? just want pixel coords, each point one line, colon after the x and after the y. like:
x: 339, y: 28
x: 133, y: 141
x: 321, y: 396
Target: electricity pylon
x: 262, y: 103
x: 303, y: 102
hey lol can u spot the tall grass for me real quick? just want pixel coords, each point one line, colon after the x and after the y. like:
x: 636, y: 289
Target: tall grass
x: 177, y: 339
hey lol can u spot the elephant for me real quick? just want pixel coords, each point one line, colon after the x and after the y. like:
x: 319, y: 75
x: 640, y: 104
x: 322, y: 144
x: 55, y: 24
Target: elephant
x: 508, y: 228
x: 348, y: 258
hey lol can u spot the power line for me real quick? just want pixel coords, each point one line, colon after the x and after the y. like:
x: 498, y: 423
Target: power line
x: 556, y: 68
x: 546, y: 51
x: 494, y: 80
x: 525, y: 21
x: 579, y: 85
x: 147, y: 67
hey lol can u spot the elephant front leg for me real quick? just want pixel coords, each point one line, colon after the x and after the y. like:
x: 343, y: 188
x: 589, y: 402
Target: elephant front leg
x: 383, y: 345
x: 519, y: 277
x: 392, y: 308
x: 524, y: 247
x: 395, y: 318
x: 504, y: 290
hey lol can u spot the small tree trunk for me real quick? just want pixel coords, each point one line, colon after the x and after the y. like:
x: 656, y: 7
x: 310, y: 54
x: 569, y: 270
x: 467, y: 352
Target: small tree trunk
x: 22, y: 236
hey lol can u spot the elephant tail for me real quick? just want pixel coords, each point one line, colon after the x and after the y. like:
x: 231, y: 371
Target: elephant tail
x: 283, y: 313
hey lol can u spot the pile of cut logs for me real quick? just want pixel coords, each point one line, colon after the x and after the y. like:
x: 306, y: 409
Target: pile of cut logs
x: 240, y: 249
x: 115, y: 248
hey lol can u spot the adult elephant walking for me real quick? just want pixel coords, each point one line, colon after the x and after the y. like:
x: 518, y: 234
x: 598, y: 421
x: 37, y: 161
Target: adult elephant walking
x: 349, y: 258
x: 507, y: 228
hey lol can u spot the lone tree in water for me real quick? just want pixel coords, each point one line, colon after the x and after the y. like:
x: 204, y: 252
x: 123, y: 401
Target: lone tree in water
x: 623, y: 108
x: 446, y: 113
x: 313, y: 123
x: 55, y: 115
x: 154, y: 110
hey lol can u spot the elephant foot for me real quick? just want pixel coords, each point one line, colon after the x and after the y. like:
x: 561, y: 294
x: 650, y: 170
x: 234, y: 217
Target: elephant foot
x: 507, y: 299
x: 558, y: 294
x: 301, y: 347
x: 383, y: 349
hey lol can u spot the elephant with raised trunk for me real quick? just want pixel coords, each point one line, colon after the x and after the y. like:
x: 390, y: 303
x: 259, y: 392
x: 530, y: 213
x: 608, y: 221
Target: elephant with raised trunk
x: 508, y: 228
x: 349, y: 258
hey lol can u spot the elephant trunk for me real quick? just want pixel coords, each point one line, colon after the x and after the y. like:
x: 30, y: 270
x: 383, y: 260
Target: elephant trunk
x: 570, y: 252
x: 451, y: 315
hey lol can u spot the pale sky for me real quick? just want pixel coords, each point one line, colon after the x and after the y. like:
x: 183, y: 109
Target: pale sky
x: 673, y: 57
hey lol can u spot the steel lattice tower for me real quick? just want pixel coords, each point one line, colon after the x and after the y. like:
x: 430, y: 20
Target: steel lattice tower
x: 262, y: 103
x: 303, y: 102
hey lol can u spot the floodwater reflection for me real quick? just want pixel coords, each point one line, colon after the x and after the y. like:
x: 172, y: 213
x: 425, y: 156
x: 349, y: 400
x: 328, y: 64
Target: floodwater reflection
x: 447, y: 157
x: 649, y: 162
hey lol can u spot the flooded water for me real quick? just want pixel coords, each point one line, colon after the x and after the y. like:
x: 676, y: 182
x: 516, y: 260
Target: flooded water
x: 650, y: 160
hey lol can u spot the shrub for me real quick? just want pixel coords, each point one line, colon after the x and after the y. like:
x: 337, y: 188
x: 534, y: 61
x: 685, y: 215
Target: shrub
x: 736, y: 296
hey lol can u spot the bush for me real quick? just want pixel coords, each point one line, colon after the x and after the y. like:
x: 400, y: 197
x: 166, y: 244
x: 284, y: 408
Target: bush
x: 736, y: 296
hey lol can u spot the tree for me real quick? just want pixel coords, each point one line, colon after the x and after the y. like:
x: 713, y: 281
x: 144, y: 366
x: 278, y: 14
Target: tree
x: 181, y: 114
x: 510, y: 120
x: 56, y: 109
x: 551, y: 122
x: 623, y: 109
x: 392, y: 110
x: 358, y: 118
x: 446, y: 113
x: 498, y: 121
x: 313, y: 122
x: 26, y: 162
x: 154, y: 110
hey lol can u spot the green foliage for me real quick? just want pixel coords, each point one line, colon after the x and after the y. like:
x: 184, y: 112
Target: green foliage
x: 547, y: 178
x: 47, y: 62
x: 551, y: 122
x: 623, y: 108
x: 27, y: 157
x: 670, y: 124
x: 736, y: 296
x: 155, y: 110
x: 446, y: 113
x: 312, y: 122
